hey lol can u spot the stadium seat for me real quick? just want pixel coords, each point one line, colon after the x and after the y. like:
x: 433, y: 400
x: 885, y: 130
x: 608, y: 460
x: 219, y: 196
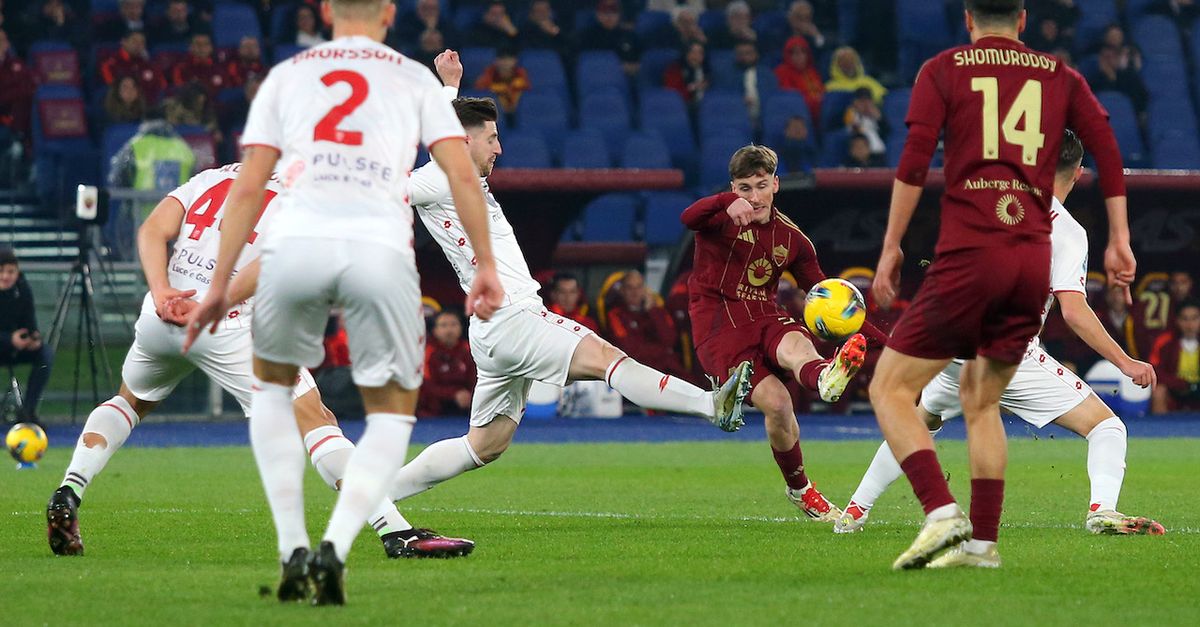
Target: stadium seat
x: 833, y: 109
x: 545, y: 112
x: 662, y: 211
x: 281, y: 22
x: 1157, y: 34
x: 895, y: 106
x: 1167, y: 115
x: 772, y: 29
x: 63, y: 152
x: 606, y: 112
x: 645, y: 150
x: 714, y: 161
x: 610, y: 218
x: 524, y: 150
x: 655, y: 62
x: 599, y: 69
x: 231, y: 22
x: 922, y: 32
x: 545, y: 70
x: 723, y: 111
x: 1176, y: 149
x: 833, y: 148
x: 1094, y: 17
x: 1165, y: 76
x: 467, y: 16
x: 711, y: 20
x: 585, y: 149
x: 1134, y: 9
x: 662, y: 110
x: 283, y: 52
x: 55, y: 62
x: 725, y: 74
x: 652, y: 28
x: 780, y: 108
x: 475, y: 61
x: 1125, y: 126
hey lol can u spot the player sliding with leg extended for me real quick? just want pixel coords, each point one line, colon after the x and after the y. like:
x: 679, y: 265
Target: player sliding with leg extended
x: 189, y: 216
x: 1004, y: 108
x: 523, y: 342
x: 343, y: 119
x: 743, y: 245
x: 1042, y: 391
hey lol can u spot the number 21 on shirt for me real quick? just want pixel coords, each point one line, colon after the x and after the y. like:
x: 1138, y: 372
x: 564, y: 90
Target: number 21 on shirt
x: 1028, y: 105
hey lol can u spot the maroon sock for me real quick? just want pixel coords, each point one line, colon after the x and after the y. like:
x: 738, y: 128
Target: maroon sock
x: 811, y: 371
x: 791, y: 464
x: 928, y: 483
x: 987, y: 500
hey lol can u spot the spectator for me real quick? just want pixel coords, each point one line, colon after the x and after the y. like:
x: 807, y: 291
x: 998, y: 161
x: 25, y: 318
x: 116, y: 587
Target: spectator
x: 1110, y: 77
x: 754, y: 78
x: 496, y: 28
x: 859, y: 155
x: 642, y: 328
x: 1126, y: 325
x: 427, y: 16
x: 797, y: 73
x: 506, y: 79
x: 429, y: 46
x: 799, y: 151
x: 1130, y: 56
x: 736, y: 28
x: 801, y: 24
x: 308, y: 28
x: 130, y: 16
x: 1179, y: 286
x: 864, y: 118
x: 53, y: 19
x: 1176, y: 360
x: 125, y: 102
x: 846, y: 73
x: 176, y: 26
x: 449, y: 369
x: 132, y: 60
x: 200, y: 66
x: 566, y: 300
x: 1047, y: 35
x: 156, y: 158
x: 191, y: 106
x: 248, y: 62
x: 20, y: 340
x: 233, y: 116
x: 687, y: 28
x: 689, y: 75
x: 540, y: 31
x: 17, y: 84
x: 675, y: 7
x: 608, y: 34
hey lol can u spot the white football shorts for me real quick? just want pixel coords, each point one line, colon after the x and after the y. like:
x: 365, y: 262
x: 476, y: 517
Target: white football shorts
x: 1041, y: 390
x: 522, y: 343
x: 377, y: 288
x: 155, y: 363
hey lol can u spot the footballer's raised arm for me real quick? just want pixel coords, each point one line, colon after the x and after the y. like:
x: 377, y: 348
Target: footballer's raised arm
x: 709, y: 212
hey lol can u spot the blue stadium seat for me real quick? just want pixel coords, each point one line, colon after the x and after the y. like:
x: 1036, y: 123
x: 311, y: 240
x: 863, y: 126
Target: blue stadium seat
x: 780, y: 108
x: 725, y: 74
x: 662, y: 110
x: 115, y: 136
x: 545, y: 113
x: 467, y: 16
x: 1134, y: 9
x: 895, y: 106
x: 714, y: 161
x: 63, y: 152
x: 1157, y: 34
x: 283, y: 52
x: 546, y: 72
x: 585, y: 149
x: 653, y: 27
x: 598, y: 69
x: 524, y: 150
x: 610, y: 218
x: 281, y: 22
x: 833, y: 109
x: 645, y: 150
x: 833, y: 148
x: 1165, y: 115
x: 655, y: 62
x: 922, y: 31
x: 1125, y: 126
x: 1165, y: 76
x: 772, y: 29
x: 1094, y: 17
x: 606, y: 112
x: 475, y: 61
x: 662, y: 211
x: 231, y: 22
x: 1176, y: 150
x: 711, y: 20
x: 55, y: 63
x: 721, y: 111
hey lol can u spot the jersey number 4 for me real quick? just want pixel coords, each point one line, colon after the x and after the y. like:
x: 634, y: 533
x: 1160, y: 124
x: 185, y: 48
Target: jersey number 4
x: 1028, y: 105
x: 203, y: 213
x: 327, y: 129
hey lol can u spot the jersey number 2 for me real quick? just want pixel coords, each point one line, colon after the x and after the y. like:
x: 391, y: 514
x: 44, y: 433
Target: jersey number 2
x: 327, y: 129
x: 1028, y: 105
x: 203, y: 213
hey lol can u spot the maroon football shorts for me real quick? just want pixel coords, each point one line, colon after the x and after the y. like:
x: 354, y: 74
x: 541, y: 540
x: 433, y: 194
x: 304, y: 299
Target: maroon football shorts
x: 983, y: 301
x: 756, y: 343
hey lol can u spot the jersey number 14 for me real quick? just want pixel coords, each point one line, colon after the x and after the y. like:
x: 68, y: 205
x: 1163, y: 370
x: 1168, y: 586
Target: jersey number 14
x: 1028, y: 105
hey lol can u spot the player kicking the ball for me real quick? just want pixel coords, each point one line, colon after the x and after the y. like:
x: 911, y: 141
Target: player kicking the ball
x: 1004, y: 108
x: 343, y: 120
x: 1042, y: 391
x: 523, y: 342
x: 743, y: 245
x: 189, y: 216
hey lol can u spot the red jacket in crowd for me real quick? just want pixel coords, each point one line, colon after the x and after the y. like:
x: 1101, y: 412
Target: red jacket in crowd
x: 148, y: 77
x: 448, y: 371
x: 206, y: 72
x: 16, y: 93
x: 1185, y: 395
x: 237, y: 70
x: 648, y: 336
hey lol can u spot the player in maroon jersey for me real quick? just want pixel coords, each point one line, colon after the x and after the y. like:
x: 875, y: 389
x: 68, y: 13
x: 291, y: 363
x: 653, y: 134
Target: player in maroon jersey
x: 743, y: 245
x: 1003, y: 108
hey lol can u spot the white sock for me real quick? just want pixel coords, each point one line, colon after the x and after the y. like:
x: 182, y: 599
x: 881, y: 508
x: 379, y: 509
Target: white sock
x: 379, y: 455
x: 977, y: 547
x: 113, y: 420
x: 884, y: 469
x: 330, y: 452
x: 1106, y: 461
x: 949, y: 510
x: 439, y: 461
x: 651, y: 389
x: 279, y: 453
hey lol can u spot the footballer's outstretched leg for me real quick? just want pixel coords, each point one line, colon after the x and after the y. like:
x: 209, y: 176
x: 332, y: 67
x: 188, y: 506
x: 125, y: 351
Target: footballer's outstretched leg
x: 844, y: 365
x: 783, y: 434
x: 62, y: 522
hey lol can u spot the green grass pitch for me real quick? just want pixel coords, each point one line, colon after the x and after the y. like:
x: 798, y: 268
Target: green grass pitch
x: 610, y: 534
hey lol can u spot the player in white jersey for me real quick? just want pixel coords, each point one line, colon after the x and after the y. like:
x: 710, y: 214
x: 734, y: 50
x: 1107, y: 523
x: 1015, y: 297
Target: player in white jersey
x: 524, y: 342
x: 343, y: 121
x: 189, y: 216
x: 1041, y: 392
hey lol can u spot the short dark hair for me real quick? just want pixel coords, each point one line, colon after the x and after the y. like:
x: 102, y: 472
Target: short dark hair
x: 559, y: 277
x: 1070, y: 155
x: 1188, y: 302
x: 993, y: 11
x: 473, y: 112
x: 751, y: 160
x: 8, y: 257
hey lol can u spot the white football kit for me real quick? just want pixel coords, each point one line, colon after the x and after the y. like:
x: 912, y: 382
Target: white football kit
x: 1041, y: 390
x: 154, y: 364
x: 523, y: 341
x: 346, y: 117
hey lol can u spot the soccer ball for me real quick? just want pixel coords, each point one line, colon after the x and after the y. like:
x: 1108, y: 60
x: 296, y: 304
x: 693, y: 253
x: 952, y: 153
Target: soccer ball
x: 834, y: 309
x: 26, y: 442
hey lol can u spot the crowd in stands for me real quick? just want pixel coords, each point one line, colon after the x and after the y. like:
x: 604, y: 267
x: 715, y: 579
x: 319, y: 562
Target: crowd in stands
x: 816, y: 79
